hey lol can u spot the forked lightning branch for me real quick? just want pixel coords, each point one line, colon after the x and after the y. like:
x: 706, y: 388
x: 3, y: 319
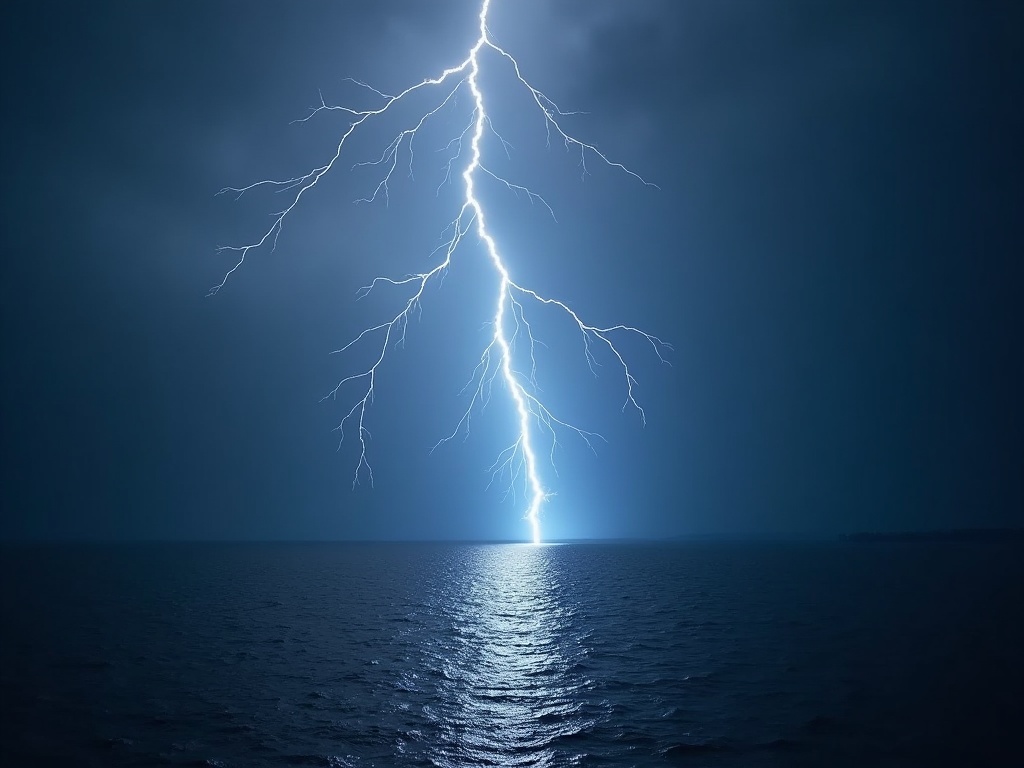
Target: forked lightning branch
x: 511, y: 328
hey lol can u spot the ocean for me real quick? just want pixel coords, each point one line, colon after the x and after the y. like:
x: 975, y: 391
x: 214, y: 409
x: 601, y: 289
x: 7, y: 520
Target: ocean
x: 582, y: 654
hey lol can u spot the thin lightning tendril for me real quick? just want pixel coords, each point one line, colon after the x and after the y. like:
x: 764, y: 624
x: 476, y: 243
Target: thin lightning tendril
x: 509, y: 322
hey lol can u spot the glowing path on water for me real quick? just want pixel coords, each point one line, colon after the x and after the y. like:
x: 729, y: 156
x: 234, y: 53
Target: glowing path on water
x: 509, y: 319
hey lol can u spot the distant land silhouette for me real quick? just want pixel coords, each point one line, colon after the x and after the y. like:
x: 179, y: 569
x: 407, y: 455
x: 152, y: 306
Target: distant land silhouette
x: 956, y: 534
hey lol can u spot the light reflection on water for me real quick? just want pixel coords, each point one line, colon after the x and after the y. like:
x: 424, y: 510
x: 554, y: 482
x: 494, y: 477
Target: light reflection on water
x: 388, y: 656
x: 510, y: 688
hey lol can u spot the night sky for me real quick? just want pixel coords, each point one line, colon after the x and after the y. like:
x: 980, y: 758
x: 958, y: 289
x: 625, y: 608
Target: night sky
x: 834, y: 252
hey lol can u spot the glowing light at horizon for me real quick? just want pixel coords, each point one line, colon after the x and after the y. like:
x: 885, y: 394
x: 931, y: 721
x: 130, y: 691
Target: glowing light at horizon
x: 509, y: 319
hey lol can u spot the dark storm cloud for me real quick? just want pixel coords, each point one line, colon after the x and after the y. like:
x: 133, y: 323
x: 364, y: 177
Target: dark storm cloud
x: 845, y: 148
x: 699, y: 54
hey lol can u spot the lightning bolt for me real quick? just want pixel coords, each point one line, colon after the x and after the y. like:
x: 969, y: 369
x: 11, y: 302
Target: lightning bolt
x: 520, y: 459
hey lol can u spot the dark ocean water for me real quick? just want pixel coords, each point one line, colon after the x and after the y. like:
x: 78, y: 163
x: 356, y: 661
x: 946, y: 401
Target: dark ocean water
x: 711, y: 654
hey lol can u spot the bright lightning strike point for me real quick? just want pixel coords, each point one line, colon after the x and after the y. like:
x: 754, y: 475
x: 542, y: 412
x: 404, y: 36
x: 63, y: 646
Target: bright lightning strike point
x: 520, y: 459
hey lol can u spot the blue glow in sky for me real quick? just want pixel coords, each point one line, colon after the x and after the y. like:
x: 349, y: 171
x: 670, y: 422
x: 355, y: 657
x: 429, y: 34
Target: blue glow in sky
x: 519, y: 463
x: 833, y: 253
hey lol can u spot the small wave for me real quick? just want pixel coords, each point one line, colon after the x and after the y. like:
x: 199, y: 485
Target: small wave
x: 688, y: 749
x: 571, y: 736
x: 328, y: 761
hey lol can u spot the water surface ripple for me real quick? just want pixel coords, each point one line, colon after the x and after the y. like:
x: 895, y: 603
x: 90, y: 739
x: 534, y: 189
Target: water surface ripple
x: 712, y: 654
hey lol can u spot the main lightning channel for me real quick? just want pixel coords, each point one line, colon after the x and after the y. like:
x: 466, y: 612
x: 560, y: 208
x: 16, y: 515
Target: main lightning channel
x: 510, y: 296
x: 536, y: 489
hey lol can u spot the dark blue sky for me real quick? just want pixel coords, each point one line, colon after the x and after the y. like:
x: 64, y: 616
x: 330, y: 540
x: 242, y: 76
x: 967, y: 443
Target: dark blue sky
x: 835, y: 253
